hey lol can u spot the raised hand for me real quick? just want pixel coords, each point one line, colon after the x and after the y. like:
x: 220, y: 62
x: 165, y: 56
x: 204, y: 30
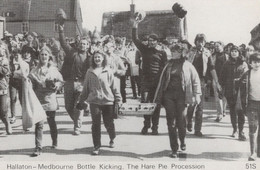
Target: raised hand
x: 179, y: 10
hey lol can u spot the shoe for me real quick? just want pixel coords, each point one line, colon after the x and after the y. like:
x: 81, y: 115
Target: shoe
x: 12, y: 120
x: 86, y: 112
x: 144, y: 131
x: 111, y: 144
x: 76, y: 132
x: 198, y: 133
x: 174, y: 155
x: 234, y: 134
x: 218, y: 119
x: 252, y: 157
x: 183, y: 146
x: 37, y: 152
x: 54, y: 146
x: 155, y: 132
x: 242, y: 136
x: 95, y: 151
x: 189, y: 127
x: 135, y: 97
x: 224, y: 114
x: 8, y: 129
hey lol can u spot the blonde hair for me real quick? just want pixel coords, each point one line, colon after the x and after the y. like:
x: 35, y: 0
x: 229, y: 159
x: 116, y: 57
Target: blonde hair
x: 48, y: 50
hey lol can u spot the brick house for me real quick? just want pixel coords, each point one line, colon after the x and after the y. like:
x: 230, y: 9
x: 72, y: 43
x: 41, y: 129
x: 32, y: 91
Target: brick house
x: 39, y: 16
x: 161, y: 22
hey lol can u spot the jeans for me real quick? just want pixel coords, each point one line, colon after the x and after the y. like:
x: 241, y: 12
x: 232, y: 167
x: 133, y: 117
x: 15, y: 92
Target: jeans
x: 237, y: 116
x: 176, y: 111
x: 198, y: 111
x: 71, y: 98
x: 253, y: 114
x: 13, y: 98
x: 53, y: 126
x: 221, y: 104
x: 107, y: 111
x: 39, y: 134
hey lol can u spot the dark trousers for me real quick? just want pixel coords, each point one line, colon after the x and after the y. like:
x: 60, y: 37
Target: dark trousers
x: 107, y: 111
x: 13, y: 98
x: 71, y: 98
x: 3, y: 111
x: 147, y: 97
x: 176, y: 111
x: 237, y: 116
x: 135, y: 80
x: 198, y: 110
x: 253, y: 114
x: 122, y: 88
x: 53, y: 126
x: 39, y: 134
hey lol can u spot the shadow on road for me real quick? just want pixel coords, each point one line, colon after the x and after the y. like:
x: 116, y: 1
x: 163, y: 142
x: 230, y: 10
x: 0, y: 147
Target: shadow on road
x: 182, y: 156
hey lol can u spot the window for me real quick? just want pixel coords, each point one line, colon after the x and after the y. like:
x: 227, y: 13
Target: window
x: 25, y: 27
x: 56, y: 27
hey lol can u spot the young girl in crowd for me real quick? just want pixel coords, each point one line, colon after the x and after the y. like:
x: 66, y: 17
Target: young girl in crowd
x: 179, y: 84
x: 101, y: 92
x: 47, y: 80
x: 250, y: 94
x: 231, y: 72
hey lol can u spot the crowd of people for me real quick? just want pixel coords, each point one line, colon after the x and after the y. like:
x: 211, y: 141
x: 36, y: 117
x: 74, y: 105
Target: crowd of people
x: 92, y: 74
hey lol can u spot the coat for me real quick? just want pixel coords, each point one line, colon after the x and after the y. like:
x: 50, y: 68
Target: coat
x: 71, y: 57
x: 190, y: 82
x: 4, y: 73
x: 100, y: 88
x: 230, y: 74
x: 206, y: 57
x: 46, y: 95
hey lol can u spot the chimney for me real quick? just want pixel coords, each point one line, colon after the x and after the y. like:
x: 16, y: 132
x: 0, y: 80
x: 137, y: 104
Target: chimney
x: 132, y: 8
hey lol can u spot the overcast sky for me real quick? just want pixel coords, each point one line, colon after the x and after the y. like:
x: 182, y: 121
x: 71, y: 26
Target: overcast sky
x: 226, y: 20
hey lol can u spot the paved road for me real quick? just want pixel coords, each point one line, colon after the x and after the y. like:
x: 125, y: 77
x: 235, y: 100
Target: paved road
x: 215, y: 145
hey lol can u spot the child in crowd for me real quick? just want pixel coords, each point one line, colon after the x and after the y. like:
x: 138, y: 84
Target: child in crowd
x: 250, y: 94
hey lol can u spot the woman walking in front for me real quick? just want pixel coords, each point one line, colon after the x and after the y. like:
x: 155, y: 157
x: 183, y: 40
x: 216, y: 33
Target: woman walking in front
x: 179, y: 84
x: 46, y: 80
x: 101, y: 92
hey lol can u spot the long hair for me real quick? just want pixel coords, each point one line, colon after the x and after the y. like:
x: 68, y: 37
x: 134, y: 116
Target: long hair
x: 48, y: 50
x: 104, y: 63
